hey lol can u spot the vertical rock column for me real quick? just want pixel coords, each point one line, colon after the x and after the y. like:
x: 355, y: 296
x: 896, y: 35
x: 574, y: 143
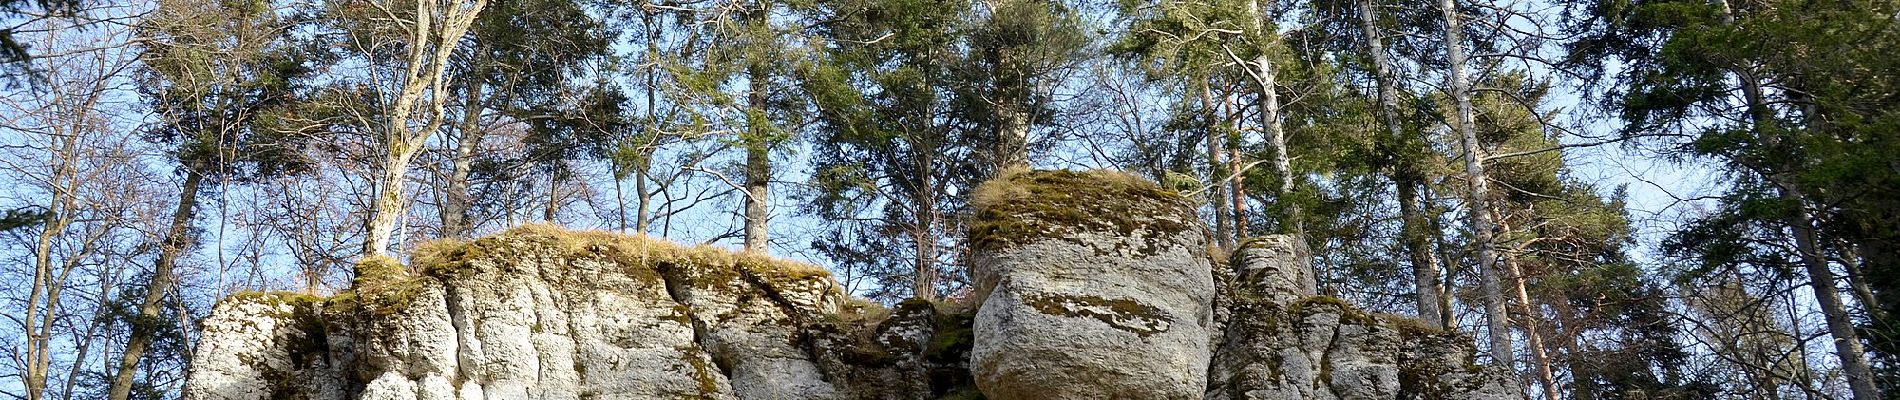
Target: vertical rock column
x: 1093, y: 285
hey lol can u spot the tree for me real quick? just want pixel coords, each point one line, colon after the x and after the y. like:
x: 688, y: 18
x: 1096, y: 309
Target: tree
x: 890, y: 157
x: 1019, y: 50
x: 522, y: 58
x: 410, y: 43
x: 1405, y: 148
x: 215, y: 72
x: 1477, y: 206
x: 1773, y: 92
x: 77, y: 172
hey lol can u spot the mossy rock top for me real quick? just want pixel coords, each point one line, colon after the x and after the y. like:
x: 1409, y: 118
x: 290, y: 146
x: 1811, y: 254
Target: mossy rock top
x: 641, y: 256
x: 1022, y: 206
x: 384, y: 286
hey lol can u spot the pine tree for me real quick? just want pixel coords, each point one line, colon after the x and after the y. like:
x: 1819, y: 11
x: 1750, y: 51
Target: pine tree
x: 222, y: 76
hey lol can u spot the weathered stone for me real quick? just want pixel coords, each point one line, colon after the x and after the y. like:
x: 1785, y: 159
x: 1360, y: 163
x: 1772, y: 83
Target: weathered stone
x: 1091, y: 286
x: 1283, y: 343
x: 266, y: 345
x: 1276, y: 266
x: 545, y: 314
x: 1120, y: 311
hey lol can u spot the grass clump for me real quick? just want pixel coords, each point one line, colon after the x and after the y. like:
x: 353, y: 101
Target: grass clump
x: 383, y: 287
x: 1021, y: 206
x: 641, y: 256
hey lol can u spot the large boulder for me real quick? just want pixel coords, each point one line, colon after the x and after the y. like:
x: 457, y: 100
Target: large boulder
x: 1091, y: 285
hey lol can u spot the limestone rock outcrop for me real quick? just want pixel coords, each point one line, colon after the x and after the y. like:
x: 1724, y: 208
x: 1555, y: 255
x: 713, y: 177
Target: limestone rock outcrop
x: 536, y: 313
x: 1283, y: 342
x: 1085, y: 285
x: 1089, y: 287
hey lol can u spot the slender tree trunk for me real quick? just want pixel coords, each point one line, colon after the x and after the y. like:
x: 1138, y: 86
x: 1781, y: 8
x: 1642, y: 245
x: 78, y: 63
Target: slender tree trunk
x: 620, y: 197
x: 144, y: 325
x: 1533, y: 336
x: 1237, y: 187
x: 924, y: 283
x: 1405, y: 174
x: 553, y: 207
x: 1269, y: 103
x: 1440, y: 255
x: 1012, y: 135
x: 758, y: 165
x: 1847, y: 346
x: 1860, y: 377
x: 1857, y: 280
x: 645, y: 217
x: 644, y: 198
x: 1216, y: 169
x: 37, y: 346
x: 455, y: 206
x: 1477, y: 204
x: 430, y: 49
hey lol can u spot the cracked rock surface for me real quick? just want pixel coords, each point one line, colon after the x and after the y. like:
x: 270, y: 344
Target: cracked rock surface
x: 1086, y: 285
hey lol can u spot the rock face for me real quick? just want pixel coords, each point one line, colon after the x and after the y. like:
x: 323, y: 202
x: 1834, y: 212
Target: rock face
x: 1086, y: 286
x: 1282, y: 342
x: 536, y: 313
x: 1116, y: 304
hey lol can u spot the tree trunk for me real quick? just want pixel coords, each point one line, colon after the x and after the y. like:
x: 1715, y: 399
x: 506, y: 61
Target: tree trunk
x: 144, y: 325
x: 37, y: 347
x: 1405, y: 175
x: 1857, y: 281
x: 758, y: 167
x: 924, y: 282
x: 1477, y: 207
x: 1012, y: 135
x: 429, y: 52
x: 1237, y: 187
x: 1533, y: 337
x: 1216, y: 170
x: 455, y: 205
x: 645, y: 196
x: 1269, y: 103
x: 390, y: 204
x: 1860, y: 377
x: 553, y: 208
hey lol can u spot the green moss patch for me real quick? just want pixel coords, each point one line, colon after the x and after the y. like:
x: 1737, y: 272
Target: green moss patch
x: 1023, y: 206
x: 703, y: 372
x: 383, y: 287
x: 640, y: 256
x: 1347, y: 312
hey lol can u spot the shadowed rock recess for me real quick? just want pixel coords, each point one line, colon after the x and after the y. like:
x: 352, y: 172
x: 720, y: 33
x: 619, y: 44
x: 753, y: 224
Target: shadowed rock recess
x: 1089, y: 285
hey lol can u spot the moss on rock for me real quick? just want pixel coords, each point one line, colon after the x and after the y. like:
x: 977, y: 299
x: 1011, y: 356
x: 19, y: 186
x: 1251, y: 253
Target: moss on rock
x: 1023, y: 206
x: 383, y: 287
x: 1127, y: 315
